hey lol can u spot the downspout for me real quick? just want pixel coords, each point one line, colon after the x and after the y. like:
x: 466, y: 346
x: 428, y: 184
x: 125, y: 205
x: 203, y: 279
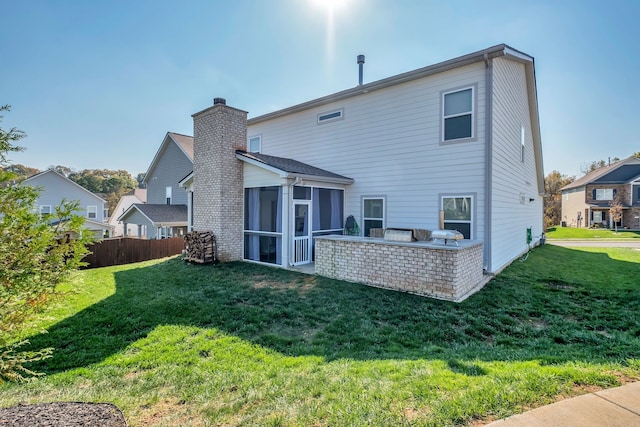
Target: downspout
x: 488, y: 178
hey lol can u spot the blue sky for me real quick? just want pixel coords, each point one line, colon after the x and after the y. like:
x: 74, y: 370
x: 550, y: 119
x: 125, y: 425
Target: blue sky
x: 97, y: 84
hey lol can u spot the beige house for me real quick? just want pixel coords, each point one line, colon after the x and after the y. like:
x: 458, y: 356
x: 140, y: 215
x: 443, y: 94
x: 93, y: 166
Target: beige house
x: 587, y: 201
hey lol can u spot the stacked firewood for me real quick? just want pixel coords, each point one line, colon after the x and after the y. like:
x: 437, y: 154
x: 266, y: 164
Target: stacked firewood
x: 200, y: 247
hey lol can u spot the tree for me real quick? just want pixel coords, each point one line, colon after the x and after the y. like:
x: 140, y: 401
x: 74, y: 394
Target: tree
x: 111, y: 184
x: 140, y: 178
x: 553, y: 182
x: 36, y: 254
x: 615, y: 211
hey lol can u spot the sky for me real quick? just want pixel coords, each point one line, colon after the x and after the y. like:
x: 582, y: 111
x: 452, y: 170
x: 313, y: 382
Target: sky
x: 98, y: 84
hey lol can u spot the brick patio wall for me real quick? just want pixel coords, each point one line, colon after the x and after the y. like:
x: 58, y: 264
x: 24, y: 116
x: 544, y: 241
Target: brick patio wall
x: 427, y: 269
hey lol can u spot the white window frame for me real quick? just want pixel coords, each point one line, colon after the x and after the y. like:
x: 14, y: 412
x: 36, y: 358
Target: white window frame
x: 471, y: 221
x: 472, y: 112
x: 330, y: 116
x: 92, y: 209
x: 45, y: 207
x: 254, y: 138
x: 168, y: 193
x: 384, y: 211
x: 604, y: 193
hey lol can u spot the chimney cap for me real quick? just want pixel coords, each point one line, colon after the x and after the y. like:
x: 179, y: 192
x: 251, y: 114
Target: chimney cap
x: 219, y: 101
x: 360, y: 59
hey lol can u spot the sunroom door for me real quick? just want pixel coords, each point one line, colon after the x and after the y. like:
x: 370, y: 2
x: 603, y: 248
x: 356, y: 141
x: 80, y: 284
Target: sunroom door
x: 301, y: 232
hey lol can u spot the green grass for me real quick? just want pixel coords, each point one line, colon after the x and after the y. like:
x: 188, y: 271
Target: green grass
x: 590, y: 233
x: 240, y: 344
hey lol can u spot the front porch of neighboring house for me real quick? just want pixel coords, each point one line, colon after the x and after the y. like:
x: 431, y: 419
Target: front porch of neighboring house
x: 600, y: 217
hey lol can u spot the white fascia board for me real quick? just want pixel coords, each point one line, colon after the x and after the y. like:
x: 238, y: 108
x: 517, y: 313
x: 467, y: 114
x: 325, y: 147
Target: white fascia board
x: 279, y: 172
x: 321, y: 178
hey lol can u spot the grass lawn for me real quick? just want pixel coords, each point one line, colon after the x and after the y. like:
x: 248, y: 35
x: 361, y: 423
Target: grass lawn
x: 590, y: 233
x: 174, y: 344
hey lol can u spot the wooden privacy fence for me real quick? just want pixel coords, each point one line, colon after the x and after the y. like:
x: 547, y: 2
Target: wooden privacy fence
x: 127, y: 250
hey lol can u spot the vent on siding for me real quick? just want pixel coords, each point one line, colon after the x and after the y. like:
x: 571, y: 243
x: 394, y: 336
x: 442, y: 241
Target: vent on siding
x: 330, y: 116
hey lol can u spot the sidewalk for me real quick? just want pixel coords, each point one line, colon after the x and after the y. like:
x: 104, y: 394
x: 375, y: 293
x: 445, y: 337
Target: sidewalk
x: 616, y: 407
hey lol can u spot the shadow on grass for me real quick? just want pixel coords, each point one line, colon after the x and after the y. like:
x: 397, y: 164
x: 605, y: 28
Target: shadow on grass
x: 557, y: 306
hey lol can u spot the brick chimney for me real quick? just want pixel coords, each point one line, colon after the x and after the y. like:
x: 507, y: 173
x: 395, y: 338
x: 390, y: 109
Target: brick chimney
x: 218, y: 197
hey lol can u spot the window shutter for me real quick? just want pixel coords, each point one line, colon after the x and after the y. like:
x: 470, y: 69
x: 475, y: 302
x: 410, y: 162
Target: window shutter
x: 594, y: 194
x: 614, y: 193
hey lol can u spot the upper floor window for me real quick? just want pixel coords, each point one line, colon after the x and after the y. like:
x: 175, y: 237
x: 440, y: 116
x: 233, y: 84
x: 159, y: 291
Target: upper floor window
x: 255, y: 144
x: 457, y: 114
x: 330, y: 116
x: 92, y: 212
x: 373, y: 214
x: 604, y: 193
x: 168, y: 195
x: 45, y: 209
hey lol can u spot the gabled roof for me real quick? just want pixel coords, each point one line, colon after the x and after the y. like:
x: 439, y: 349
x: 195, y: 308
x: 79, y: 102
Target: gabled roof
x: 184, y: 142
x: 616, y: 173
x: 289, y: 168
x: 52, y: 171
x: 501, y: 50
x: 159, y: 214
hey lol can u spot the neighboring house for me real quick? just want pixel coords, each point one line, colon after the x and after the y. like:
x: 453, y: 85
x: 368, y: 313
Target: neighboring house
x: 454, y: 145
x: 135, y: 196
x: 587, y: 201
x: 56, y: 187
x: 165, y: 212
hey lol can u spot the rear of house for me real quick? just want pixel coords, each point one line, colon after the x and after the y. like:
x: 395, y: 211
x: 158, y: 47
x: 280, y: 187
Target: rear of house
x: 453, y: 145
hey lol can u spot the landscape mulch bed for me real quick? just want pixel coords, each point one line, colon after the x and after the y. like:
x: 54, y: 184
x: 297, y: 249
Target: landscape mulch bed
x: 63, y: 414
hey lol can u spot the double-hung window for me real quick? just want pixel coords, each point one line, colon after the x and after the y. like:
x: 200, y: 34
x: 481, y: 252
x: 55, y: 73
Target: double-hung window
x: 373, y: 214
x: 458, y: 214
x: 255, y: 144
x: 604, y: 194
x: 458, y: 114
x: 45, y: 209
x: 92, y: 212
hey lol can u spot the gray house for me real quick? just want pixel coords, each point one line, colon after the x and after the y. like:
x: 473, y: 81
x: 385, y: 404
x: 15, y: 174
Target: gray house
x: 165, y: 212
x: 56, y: 187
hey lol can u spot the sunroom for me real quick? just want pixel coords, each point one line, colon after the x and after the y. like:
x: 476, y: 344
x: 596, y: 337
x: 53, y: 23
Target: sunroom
x: 287, y: 204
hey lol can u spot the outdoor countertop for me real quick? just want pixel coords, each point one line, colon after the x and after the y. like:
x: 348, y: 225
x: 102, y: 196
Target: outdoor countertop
x: 438, y: 244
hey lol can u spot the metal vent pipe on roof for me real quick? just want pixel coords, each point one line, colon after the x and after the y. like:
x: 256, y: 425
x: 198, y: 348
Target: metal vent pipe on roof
x: 360, y: 67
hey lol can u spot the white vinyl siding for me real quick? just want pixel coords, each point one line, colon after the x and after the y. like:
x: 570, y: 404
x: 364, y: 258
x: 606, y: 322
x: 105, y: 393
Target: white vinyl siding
x: 512, y: 177
x: 390, y: 145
